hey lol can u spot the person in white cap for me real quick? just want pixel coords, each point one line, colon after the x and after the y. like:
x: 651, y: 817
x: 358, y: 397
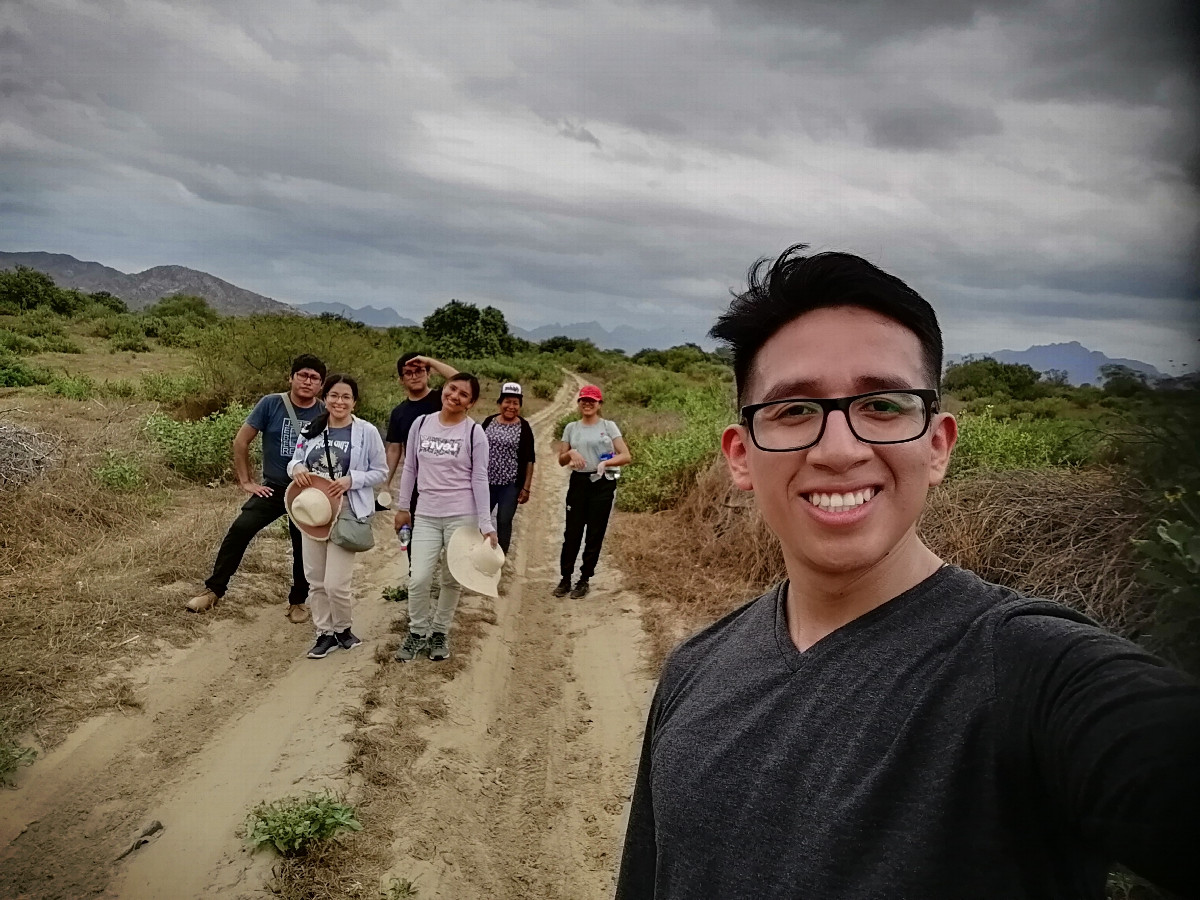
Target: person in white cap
x: 510, y: 460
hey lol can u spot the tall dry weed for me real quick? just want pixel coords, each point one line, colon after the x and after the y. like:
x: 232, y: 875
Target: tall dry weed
x: 1064, y: 535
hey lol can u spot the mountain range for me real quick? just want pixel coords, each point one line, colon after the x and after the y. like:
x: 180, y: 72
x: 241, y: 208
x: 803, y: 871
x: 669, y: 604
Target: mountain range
x: 1081, y: 364
x: 142, y: 289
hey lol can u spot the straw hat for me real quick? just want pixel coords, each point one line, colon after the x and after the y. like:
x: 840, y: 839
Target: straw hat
x: 312, y: 509
x: 474, y: 562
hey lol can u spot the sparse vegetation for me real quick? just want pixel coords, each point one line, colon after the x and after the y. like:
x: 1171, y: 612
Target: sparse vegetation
x: 12, y: 757
x: 294, y: 826
x: 200, y: 450
x: 120, y: 472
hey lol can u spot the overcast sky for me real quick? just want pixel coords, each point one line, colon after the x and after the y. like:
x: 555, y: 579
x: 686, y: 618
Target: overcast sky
x: 1030, y: 167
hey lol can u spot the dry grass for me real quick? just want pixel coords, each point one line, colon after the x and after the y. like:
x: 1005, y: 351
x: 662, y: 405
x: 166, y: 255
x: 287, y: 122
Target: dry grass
x: 399, y: 701
x: 91, y: 578
x: 1061, y: 535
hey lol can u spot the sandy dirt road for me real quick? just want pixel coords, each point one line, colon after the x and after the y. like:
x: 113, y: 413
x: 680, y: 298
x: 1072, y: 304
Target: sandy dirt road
x: 519, y: 791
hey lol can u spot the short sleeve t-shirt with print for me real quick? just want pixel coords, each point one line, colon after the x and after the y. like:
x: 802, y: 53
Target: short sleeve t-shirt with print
x: 405, y: 413
x: 339, y: 453
x: 503, y: 441
x: 270, y: 418
x: 594, y: 442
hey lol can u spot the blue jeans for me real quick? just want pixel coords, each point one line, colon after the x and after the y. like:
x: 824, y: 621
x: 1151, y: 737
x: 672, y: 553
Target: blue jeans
x: 504, y: 503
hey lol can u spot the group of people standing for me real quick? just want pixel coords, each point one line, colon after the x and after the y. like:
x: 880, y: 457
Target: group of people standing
x: 322, y: 464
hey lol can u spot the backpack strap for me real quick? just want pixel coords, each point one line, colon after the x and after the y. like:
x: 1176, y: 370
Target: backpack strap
x: 291, y: 411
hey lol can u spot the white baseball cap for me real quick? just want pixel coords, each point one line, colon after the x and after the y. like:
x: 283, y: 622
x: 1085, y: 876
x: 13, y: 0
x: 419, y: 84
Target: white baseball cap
x: 511, y: 389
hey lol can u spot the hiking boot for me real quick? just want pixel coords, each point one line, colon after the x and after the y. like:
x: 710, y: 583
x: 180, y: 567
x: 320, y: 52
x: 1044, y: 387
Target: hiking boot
x: 581, y: 589
x: 326, y: 644
x: 563, y: 588
x: 439, y: 646
x: 297, y: 613
x: 203, y: 601
x: 347, y: 640
x: 412, y: 647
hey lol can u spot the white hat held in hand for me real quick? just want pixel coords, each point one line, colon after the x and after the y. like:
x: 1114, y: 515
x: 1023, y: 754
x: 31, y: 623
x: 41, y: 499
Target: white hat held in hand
x: 474, y: 562
x: 311, y: 509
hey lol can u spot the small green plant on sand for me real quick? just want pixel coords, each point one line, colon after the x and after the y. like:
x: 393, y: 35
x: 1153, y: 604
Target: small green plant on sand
x: 400, y: 889
x: 295, y: 825
x: 395, y: 594
x: 120, y: 472
x: 12, y: 757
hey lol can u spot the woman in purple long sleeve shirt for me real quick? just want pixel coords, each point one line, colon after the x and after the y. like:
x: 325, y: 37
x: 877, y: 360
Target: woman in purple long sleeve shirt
x: 447, y: 461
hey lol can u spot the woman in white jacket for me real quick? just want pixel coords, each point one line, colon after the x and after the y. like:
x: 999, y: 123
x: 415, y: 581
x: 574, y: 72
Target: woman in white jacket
x: 349, y: 451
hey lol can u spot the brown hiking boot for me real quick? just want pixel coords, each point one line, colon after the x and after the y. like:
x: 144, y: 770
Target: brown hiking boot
x: 297, y: 613
x: 203, y: 601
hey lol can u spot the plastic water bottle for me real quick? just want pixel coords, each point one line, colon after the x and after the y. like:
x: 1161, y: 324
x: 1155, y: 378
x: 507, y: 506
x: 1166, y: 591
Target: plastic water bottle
x: 404, y: 534
x: 596, y: 476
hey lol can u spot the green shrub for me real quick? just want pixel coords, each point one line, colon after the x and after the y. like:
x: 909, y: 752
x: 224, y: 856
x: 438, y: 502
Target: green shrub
x: 11, y: 342
x: 174, y: 389
x: 120, y: 472
x: 118, y: 388
x: 109, y: 324
x: 985, y: 442
x: 295, y: 825
x: 200, y: 450
x: 16, y: 373
x: 129, y: 339
x: 73, y: 387
x: 12, y: 757
x: 39, y: 323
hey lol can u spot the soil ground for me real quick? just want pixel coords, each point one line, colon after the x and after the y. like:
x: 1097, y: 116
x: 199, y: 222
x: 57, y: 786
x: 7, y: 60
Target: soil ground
x: 512, y: 762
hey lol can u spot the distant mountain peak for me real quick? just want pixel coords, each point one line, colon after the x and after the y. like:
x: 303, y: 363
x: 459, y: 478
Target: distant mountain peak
x: 1081, y: 364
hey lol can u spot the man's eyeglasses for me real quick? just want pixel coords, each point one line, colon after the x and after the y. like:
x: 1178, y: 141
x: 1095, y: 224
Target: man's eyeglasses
x: 409, y: 373
x: 307, y: 376
x: 879, y: 417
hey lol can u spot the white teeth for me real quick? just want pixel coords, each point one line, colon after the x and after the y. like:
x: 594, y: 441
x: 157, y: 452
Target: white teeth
x: 841, y: 501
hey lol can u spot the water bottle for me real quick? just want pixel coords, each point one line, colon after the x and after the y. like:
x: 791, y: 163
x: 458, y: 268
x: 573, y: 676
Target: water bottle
x: 404, y: 534
x: 596, y: 476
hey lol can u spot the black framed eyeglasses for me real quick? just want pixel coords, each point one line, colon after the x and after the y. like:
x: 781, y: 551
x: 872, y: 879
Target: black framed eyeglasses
x: 877, y: 417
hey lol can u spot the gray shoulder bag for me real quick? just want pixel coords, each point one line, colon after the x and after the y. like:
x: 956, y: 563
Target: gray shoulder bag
x: 291, y: 411
x: 349, y: 531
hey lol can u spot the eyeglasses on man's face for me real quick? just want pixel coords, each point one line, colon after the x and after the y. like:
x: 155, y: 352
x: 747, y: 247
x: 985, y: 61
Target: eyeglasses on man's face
x: 878, y: 417
x: 412, y: 373
x: 307, y: 376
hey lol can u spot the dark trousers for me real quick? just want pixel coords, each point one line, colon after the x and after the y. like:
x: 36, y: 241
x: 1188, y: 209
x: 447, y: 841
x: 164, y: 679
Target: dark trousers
x: 257, y: 513
x: 589, y: 504
x: 504, y: 502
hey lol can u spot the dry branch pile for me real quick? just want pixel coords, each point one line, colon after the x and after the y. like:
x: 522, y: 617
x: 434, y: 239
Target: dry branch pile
x: 25, y: 454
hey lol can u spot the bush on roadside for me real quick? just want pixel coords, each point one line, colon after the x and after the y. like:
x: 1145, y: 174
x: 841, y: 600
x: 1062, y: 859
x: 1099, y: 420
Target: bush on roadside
x: 988, y: 443
x: 120, y: 472
x: 14, y: 372
x: 118, y: 388
x: 296, y: 825
x: 200, y: 450
x: 12, y: 757
x: 174, y: 389
x: 73, y: 387
x: 14, y: 343
x: 128, y: 339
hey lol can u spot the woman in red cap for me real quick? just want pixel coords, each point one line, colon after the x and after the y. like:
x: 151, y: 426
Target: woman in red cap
x: 595, y: 451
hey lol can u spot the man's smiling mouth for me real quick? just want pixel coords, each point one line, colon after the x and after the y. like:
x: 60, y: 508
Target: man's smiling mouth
x: 835, y: 502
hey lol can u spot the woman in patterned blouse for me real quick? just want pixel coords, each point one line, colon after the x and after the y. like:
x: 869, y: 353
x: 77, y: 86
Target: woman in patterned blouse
x: 510, y: 463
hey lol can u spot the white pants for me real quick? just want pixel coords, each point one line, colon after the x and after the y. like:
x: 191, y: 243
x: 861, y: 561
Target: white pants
x: 330, y: 572
x: 430, y: 536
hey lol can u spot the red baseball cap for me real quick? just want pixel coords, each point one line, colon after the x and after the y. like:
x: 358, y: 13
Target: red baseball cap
x: 590, y: 392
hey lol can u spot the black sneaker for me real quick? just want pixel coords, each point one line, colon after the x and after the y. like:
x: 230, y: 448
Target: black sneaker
x: 439, y: 646
x: 564, y: 587
x: 581, y: 589
x: 347, y: 639
x: 326, y: 644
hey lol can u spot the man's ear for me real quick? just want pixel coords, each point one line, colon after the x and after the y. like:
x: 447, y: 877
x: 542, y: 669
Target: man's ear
x: 944, y: 437
x: 735, y: 444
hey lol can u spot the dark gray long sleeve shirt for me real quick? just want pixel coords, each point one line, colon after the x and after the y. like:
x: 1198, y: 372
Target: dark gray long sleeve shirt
x: 960, y: 741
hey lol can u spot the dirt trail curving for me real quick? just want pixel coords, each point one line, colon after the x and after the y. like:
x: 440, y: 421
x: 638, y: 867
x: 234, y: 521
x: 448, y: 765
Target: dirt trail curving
x: 519, y: 791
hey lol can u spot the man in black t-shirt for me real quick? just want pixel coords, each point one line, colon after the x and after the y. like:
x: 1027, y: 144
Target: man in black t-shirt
x: 413, y: 371
x: 882, y: 725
